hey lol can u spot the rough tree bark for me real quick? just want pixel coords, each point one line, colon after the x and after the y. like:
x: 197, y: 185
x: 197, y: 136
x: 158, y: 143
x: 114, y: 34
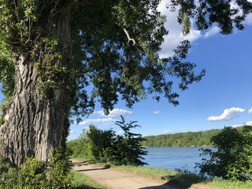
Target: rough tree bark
x: 35, y: 125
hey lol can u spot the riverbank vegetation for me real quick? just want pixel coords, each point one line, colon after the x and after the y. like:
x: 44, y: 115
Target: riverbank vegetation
x: 105, y: 146
x: 232, y: 160
x: 187, y: 139
x: 185, y: 179
x: 228, y: 167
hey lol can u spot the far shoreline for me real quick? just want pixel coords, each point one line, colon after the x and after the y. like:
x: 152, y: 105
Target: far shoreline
x: 178, y: 146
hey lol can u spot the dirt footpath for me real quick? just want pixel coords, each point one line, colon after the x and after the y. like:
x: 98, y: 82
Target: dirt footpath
x: 116, y: 179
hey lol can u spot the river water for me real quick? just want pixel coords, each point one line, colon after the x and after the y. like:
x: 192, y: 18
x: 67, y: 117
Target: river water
x: 174, y: 157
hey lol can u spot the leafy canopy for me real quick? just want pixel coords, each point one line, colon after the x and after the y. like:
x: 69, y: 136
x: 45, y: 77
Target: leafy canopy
x: 114, y: 46
x: 227, y: 14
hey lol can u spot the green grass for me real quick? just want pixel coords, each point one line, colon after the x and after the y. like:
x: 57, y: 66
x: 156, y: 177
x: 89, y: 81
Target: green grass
x: 226, y: 184
x: 150, y: 171
x: 81, y: 181
x: 186, y: 175
x: 175, y: 176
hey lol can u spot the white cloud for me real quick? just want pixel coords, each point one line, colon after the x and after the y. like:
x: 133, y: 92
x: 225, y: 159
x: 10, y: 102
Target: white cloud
x: 156, y: 112
x: 169, y: 131
x: 240, y: 125
x: 105, y: 121
x: 175, y: 36
x: 213, y: 31
x: 193, y: 35
x: 120, y: 132
x: 227, y: 114
x: 71, y: 132
x: 248, y: 123
x: 250, y: 111
x: 248, y: 19
x: 115, y: 113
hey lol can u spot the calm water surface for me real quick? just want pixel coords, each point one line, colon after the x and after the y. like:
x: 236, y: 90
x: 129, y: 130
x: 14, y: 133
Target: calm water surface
x: 174, y: 157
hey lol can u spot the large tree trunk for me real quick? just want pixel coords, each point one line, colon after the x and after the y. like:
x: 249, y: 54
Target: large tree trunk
x: 33, y: 124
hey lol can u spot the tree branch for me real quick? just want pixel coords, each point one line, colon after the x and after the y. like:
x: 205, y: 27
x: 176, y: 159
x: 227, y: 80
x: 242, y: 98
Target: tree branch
x: 130, y: 39
x: 127, y: 34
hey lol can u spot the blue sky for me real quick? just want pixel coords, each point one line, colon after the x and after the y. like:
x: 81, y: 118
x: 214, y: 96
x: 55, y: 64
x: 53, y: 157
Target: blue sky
x: 221, y: 98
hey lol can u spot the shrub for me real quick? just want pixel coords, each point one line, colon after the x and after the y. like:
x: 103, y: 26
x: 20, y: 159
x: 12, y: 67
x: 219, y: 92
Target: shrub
x: 80, y: 146
x: 4, y: 165
x: 59, y: 176
x: 107, y: 147
x: 232, y: 160
x: 8, y: 175
x: 129, y: 146
x: 34, y: 174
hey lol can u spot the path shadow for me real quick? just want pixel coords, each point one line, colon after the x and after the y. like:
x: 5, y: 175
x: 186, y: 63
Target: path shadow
x: 83, y: 187
x: 103, y: 168
x: 85, y: 163
x: 171, y: 184
x: 174, y: 183
x: 80, y: 163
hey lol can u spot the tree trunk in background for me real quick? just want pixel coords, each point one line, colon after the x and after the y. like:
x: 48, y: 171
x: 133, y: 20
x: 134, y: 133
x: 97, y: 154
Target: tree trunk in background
x: 34, y: 126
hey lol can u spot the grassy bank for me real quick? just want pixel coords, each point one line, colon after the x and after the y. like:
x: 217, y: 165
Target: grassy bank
x: 81, y: 181
x: 185, y: 179
x: 178, y: 177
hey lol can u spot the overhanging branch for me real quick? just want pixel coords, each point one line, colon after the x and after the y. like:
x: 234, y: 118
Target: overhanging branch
x: 131, y: 39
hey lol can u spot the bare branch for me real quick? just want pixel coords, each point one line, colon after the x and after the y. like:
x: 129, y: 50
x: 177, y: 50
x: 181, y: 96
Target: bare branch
x: 127, y: 34
x: 131, y: 39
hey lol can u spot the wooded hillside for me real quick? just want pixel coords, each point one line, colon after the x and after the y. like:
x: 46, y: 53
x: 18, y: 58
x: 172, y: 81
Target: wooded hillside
x: 188, y: 139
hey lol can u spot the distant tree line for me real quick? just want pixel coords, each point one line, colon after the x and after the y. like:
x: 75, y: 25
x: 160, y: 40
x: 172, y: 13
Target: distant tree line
x: 188, y: 139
